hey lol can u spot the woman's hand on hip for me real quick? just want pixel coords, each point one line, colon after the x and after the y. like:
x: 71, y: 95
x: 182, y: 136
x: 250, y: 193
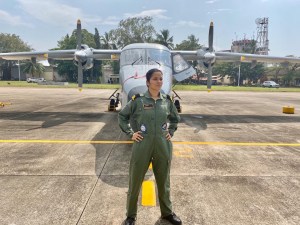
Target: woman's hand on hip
x: 137, y: 136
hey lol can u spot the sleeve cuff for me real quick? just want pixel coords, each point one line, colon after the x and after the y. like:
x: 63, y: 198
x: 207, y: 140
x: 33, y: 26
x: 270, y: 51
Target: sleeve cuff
x: 130, y: 134
x: 171, y: 132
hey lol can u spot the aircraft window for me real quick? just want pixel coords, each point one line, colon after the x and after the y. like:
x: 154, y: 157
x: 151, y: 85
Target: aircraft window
x: 179, y: 64
x: 140, y: 59
x: 133, y: 57
x: 160, y: 57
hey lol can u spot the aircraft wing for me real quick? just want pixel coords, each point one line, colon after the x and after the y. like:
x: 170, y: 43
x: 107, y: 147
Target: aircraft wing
x: 103, y: 54
x: 230, y: 56
x: 236, y: 57
x: 55, y: 54
x: 187, y: 55
x: 60, y: 55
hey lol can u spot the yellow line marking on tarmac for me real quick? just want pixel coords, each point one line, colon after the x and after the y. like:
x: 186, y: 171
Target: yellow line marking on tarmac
x: 130, y: 142
x: 148, y: 193
x: 184, y: 152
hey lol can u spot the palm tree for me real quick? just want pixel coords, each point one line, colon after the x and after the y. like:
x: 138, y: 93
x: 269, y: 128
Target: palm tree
x: 107, y: 40
x: 165, y: 39
x: 33, y: 68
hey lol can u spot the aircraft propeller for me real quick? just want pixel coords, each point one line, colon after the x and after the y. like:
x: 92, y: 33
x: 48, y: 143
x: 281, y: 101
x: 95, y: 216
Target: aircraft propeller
x: 207, y: 55
x: 210, y: 48
x: 78, y: 56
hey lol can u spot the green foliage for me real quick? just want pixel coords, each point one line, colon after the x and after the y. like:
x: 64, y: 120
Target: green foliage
x: 11, y: 43
x: 70, y: 42
x: 69, y: 69
x: 192, y: 43
x: 164, y: 39
x: 108, y: 40
x: 33, y: 68
x: 230, y: 69
x: 97, y: 39
x: 134, y: 30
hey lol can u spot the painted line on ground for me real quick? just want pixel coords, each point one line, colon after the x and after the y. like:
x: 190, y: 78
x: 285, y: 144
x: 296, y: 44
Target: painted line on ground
x: 148, y: 193
x: 130, y: 142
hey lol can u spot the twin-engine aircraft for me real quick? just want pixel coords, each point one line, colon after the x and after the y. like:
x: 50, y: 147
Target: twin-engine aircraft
x: 137, y: 59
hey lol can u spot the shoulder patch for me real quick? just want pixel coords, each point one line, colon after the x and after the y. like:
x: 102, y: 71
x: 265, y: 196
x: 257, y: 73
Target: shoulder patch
x: 169, y: 97
x: 136, y: 96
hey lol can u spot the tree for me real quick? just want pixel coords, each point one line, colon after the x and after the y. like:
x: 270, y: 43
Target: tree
x: 96, y: 70
x: 33, y: 68
x: 165, y: 39
x: 246, y: 72
x: 134, y: 30
x: 292, y: 72
x: 11, y: 43
x: 107, y: 40
x: 97, y: 39
x: 192, y: 43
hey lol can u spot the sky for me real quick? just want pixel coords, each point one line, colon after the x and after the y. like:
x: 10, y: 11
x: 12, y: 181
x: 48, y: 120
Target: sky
x: 41, y: 24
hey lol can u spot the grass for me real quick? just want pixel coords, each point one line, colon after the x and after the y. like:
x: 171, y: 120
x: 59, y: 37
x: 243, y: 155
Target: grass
x: 24, y: 84
x: 234, y: 88
x: 180, y: 87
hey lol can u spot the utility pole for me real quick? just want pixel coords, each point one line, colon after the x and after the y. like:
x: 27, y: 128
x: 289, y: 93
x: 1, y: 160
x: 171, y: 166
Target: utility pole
x: 19, y: 70
x: 239, y: 75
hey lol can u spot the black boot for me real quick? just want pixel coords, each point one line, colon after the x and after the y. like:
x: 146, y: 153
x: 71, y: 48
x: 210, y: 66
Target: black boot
x: 129, y: 221
x: 173, y: 219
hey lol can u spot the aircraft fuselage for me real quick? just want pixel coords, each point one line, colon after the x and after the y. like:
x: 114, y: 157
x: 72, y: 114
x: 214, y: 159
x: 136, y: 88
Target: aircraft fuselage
x: 136, y: 60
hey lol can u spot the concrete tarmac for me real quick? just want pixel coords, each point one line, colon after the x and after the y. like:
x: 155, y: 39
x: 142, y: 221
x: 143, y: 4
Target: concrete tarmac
x: 236, y: 159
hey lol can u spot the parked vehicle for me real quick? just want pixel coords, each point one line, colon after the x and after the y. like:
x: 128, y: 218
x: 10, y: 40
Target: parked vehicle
x: 270, y: 84
x: 35, y: 80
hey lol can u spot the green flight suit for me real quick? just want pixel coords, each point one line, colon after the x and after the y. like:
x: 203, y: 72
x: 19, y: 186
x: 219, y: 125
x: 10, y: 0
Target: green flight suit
x: 150, y: 117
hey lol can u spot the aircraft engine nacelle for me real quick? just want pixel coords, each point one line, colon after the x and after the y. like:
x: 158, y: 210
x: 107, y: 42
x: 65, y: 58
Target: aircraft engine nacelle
x: 88, y: 64
x: 204, y: 57
x: 85, y: 57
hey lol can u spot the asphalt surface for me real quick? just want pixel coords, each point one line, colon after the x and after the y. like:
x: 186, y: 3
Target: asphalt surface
x: 236, y: 159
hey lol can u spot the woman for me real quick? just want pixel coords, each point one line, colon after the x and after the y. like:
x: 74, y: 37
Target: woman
x: 149, y: 114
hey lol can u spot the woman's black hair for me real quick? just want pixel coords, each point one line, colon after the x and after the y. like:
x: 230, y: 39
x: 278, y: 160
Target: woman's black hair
x: 150, y: 73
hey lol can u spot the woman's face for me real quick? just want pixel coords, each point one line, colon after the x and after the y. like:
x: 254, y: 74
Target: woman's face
x: 156, y: 81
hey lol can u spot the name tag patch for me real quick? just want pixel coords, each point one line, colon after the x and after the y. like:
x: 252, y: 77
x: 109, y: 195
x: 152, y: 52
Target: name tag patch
x: 148, y: 106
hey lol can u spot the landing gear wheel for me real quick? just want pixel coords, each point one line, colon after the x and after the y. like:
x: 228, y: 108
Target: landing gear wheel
x: 112, y: 105
x: 178, y: 107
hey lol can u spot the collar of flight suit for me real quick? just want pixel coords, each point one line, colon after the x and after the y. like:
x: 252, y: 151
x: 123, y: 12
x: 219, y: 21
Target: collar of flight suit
x: 147, y: 95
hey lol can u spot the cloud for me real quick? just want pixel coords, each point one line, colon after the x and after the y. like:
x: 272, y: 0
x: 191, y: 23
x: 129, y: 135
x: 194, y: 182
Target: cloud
x: 51, y: 12
x: 183, y: 23
x: 58, y: 14
x: 155, y: 13
x: 12, y: 20
x: 211, y: 1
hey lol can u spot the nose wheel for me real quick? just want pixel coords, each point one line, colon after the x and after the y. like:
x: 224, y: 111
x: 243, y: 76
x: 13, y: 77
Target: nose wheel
x: 178, y: 106
x: 177, y: 103
x: 114, y: 101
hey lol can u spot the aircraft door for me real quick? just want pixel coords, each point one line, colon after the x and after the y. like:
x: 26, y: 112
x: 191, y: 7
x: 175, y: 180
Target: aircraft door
x: 181, y: 68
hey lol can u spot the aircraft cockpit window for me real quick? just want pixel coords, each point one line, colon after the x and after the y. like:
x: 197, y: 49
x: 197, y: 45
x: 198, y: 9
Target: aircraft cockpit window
x: 179, y: 64
x: 160, y: 57
x: 132, y: 57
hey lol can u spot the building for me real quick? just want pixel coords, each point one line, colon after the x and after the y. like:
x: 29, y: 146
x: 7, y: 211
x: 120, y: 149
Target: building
x: 244, y: 45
